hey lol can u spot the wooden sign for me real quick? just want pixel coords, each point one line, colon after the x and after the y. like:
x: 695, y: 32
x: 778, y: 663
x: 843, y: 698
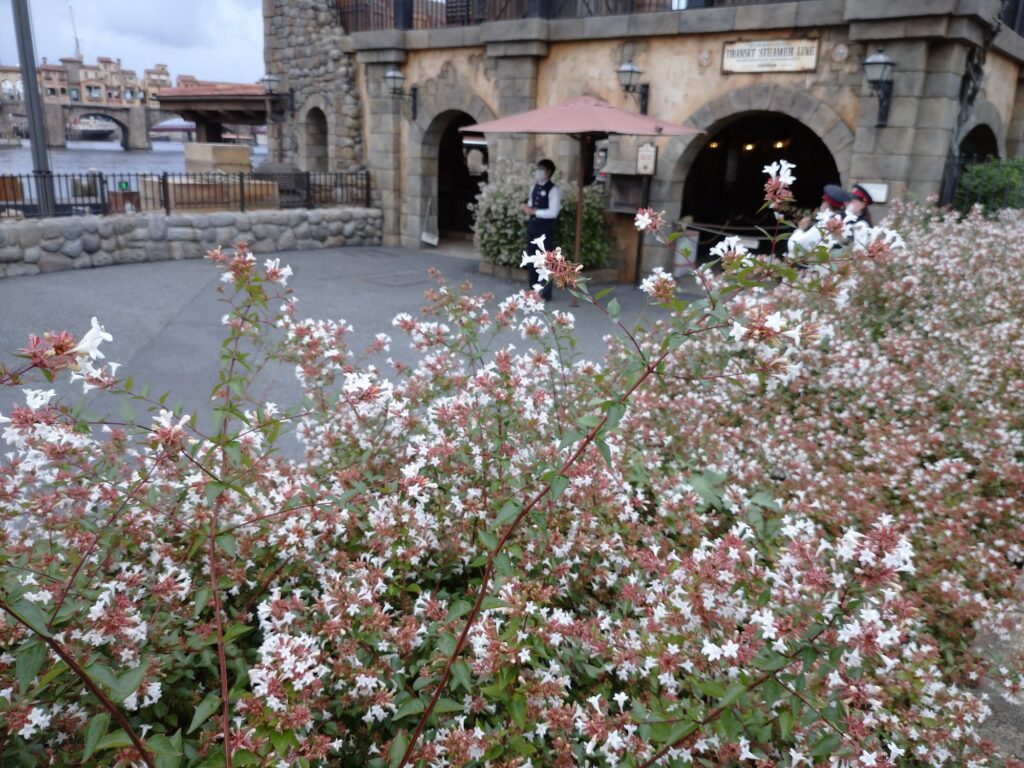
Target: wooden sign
x: 770, y: 56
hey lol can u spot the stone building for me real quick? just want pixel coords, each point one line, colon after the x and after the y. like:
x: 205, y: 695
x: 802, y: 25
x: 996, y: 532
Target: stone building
x: 762, y: 80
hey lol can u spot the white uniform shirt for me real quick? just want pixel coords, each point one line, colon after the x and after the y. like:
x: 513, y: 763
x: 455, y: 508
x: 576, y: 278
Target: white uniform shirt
x: 554, y: 203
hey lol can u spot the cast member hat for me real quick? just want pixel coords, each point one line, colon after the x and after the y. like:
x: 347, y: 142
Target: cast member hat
x: 861, y: 194
x: 836, y: 196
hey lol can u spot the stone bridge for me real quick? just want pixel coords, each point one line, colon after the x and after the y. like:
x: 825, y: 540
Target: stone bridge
x: 135, y: 121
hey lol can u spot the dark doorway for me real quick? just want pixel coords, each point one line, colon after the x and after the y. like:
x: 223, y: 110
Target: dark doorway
x: 978, y: 145
x: 316, y: 140
x: 724, y: 187
x: 461, y: 168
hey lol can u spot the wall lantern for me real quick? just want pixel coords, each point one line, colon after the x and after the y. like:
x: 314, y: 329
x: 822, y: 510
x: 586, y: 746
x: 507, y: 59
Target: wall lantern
x: 395, y: 80
x: 878, y: 69
x: 271, y: 86
x: 629, y: 78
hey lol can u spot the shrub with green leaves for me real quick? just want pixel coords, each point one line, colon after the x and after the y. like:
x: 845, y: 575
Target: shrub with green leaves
x: 994, y: 184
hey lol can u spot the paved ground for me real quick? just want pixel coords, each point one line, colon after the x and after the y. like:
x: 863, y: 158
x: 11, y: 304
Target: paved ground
x: 165, y: 316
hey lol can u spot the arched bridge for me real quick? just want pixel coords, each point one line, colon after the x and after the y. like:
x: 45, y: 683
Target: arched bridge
x: 134, y: 121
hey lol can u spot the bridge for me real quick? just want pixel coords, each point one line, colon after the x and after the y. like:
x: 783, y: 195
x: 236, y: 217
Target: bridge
x: 210, y: 106
x: 135, y: 121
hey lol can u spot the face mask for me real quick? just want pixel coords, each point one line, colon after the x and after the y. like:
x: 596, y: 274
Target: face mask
x: 540, y: 176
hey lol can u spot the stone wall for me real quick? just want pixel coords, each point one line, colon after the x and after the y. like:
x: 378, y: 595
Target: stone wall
x: 303, y: 46
x: 50, y: 245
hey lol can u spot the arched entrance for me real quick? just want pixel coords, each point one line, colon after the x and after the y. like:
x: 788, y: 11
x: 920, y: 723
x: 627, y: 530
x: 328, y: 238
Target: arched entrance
x: 316, y: 140
x: 979, y: 145
x: 461, y: 167
x: 724, y: 187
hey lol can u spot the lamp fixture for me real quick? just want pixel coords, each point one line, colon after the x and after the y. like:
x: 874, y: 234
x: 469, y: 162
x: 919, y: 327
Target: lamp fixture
x: 271, y: 87
x: 748, y: 147
x: 878, y: 69
x: 629, y: 78
x: 394, y: 80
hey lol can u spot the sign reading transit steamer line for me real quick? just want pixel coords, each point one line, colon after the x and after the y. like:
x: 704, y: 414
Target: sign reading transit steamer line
x: 770, y: 56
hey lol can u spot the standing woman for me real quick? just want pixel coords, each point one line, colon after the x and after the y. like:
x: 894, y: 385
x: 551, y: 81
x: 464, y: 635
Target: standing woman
x: 542, y: 206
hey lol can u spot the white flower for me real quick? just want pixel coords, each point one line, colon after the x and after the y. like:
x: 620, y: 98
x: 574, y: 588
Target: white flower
x: 38, y: 719
x: 781, y: 170
x: 712, y: 651
x: 738, y: 332
x: 733, y: 245
x: 775, y: 322
x: 276, y: 273
x: 539, y: 261
x: 38, y: 398
x: 539, y: 242
x: 642, y: 220
x: 90, y: 343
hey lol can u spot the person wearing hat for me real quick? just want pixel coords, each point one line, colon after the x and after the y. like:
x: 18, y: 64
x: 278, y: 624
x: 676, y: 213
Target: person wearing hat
x: 542, y: 206
x: 859, y: 202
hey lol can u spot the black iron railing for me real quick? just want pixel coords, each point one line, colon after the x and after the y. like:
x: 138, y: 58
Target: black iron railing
x: 107, y: 193
x: 368, y: 15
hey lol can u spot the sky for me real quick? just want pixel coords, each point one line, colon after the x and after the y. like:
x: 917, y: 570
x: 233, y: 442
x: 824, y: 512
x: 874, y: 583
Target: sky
x: 211, y: 39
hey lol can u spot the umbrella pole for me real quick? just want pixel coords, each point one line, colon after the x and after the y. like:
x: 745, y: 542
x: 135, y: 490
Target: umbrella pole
x: 579, y: 196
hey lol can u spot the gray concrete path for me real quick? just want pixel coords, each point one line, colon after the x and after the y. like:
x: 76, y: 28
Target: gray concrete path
x: 165, y: 316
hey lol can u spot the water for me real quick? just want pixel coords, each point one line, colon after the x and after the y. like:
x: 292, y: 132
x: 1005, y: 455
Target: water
x: 105, y: 157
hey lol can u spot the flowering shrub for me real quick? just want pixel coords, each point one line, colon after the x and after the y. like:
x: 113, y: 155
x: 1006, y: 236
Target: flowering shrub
x: 500, y: 227
x: 762, y: 533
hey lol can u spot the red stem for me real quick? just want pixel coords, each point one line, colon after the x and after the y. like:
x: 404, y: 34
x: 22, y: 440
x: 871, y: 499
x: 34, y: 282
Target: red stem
x: 74, y: 666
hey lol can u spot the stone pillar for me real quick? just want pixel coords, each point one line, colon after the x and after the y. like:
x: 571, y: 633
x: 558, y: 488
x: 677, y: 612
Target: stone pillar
x: 1015, y: 131
x: 5, y: 120
x: 213, y: 133
x: 384, y: 138
x: 516, y: 65
x: 55, y: 122
x: 138, y: 129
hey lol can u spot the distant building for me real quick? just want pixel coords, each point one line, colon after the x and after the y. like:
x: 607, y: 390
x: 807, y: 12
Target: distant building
x: 761, y: 79
x: 73, y: 81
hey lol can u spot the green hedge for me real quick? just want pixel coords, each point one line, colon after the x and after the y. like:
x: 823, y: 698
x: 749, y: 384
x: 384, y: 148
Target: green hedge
x: 994, y: 184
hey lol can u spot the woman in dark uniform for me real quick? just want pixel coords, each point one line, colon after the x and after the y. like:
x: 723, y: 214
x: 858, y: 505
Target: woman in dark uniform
x: 542, y: 206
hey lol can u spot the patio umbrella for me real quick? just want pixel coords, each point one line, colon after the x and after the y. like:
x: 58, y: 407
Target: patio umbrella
x: 585, y: 119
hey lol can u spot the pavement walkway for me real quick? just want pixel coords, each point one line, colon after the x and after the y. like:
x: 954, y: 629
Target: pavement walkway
x: 165, y: 316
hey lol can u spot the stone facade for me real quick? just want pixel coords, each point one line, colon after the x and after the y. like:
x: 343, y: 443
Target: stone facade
x: 33, y: 246
x: 499, y: 68
x: 303, y: 46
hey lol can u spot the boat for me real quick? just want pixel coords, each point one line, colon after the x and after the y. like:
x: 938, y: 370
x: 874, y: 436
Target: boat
x: 91, y: 129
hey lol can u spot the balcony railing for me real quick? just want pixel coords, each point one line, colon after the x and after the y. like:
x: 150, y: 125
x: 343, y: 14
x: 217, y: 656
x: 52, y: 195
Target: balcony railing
x: 368, y: 15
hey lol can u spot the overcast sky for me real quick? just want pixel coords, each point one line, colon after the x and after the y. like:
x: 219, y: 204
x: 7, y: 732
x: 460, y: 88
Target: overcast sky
x: 211, y: 39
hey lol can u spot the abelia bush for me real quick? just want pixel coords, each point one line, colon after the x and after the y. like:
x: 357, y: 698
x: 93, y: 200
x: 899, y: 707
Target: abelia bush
x: 763, y: 532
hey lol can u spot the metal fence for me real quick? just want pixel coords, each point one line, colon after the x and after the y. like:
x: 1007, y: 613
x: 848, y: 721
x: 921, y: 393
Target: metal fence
x: 368, y: 15
x: 107, y: 193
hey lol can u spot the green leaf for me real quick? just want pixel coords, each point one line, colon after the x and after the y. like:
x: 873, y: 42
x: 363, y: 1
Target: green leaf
x: 509, y: 511
x: 167, y: 754
x: 680, y: 731
x: 785, y: 724
x: 130, y: 681
x: 446, y: 706
x: 736, y: 689
x: 411, y: 707
x: 615, y: 413
x: 605, y: 452
x: 116, y: 740
x: 517, y: 709
x: 463, y: 675
x: 558, y: 485
x: 228, y: 544
x: 827, y: 745
x: 206, y: 707
x: 96, y: 730
x: 521, y: 746
x: 398, y: 746
x: 202, y: 598
x: 31, y: 615
x: 27, y: 662
x: 614, y: 310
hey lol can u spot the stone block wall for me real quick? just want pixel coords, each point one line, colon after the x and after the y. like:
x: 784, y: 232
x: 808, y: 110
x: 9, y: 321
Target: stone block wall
x: 32, y: 246
x: 303, y: 45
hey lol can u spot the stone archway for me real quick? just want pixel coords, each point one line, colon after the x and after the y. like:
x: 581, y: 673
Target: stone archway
x: 441, y: 102
x: 316, y: 140
x: 985, y: 122
x: 681, y: 151
x: 310, y: 135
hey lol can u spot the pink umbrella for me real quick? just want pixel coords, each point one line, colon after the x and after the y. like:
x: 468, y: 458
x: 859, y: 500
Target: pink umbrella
x: 585, y: 119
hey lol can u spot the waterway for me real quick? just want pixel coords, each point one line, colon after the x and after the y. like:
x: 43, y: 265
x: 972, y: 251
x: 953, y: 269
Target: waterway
x: 105, y: 157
